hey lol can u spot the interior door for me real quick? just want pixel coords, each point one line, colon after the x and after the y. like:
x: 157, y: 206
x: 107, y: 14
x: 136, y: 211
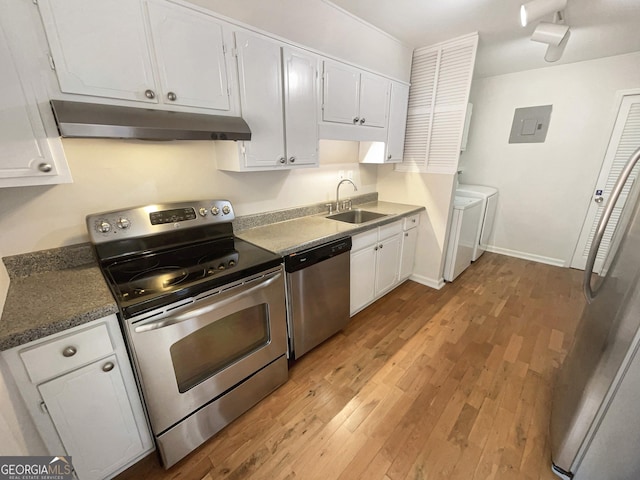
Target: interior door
x: 625, y: 139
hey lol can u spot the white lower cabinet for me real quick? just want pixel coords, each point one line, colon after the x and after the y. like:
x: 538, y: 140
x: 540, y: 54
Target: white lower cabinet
x: 375, y: 259
x: 79, y: 388
x: 409, y: 242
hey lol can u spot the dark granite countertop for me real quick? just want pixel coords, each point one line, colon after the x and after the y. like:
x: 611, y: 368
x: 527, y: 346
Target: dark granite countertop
x: 51, y: 291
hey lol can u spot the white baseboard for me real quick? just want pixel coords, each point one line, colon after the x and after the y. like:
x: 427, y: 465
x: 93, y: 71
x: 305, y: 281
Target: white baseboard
x: 429, y: 282
x: 556, y: 262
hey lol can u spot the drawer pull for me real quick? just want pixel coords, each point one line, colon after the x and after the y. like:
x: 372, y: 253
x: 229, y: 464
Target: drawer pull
x: 107, y: 367
x: 69, y: 351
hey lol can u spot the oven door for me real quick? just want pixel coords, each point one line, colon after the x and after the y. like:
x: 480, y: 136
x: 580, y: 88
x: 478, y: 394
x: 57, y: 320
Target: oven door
x: 192, y: 354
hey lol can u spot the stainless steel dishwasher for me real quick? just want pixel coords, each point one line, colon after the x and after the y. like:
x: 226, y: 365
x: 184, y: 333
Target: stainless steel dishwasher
x: 317, y: 294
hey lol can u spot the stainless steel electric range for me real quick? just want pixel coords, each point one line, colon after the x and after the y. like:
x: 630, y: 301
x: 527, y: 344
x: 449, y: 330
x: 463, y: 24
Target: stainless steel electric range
x: 203, y: 313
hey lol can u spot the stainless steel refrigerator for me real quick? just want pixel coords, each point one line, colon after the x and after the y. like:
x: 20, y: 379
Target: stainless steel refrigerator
x: 595, y: 416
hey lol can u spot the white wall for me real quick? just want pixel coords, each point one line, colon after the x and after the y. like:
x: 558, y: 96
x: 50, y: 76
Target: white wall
x: 433, y: 191
x: 545, y: 188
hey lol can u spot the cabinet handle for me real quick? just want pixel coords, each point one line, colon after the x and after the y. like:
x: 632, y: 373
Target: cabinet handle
x: 292, y: 159
x: 282, y: 160
x: 69, y: 352
x: 375, y: 248
x: 150, y: 94
x: 406, y: 234
x: 381, y: 245
x: 389, y: 157
x: 45, y: 167
x: 362, y: 120
x: 107, y: 367
x: 172, y: 96
x: 413, y: 220
x: 356, y: 120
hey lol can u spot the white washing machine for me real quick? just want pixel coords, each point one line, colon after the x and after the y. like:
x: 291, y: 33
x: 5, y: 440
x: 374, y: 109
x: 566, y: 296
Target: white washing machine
x: 489, y: 197
x: 467, y: 214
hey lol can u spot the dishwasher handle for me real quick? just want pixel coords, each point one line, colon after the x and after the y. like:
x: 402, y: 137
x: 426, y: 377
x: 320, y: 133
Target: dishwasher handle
x: 306, y: 258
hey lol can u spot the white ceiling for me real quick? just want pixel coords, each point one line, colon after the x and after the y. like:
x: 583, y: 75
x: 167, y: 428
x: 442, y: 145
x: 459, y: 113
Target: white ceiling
x: 599, y: 28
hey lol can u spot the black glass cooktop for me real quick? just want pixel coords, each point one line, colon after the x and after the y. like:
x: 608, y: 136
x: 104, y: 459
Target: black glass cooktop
x: 152, y: 280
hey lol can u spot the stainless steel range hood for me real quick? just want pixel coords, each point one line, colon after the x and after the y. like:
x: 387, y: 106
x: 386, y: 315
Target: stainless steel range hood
x: 91, y: 120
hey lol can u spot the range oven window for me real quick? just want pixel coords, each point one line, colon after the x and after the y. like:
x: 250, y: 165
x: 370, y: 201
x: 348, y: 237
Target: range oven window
x: 209, y: 350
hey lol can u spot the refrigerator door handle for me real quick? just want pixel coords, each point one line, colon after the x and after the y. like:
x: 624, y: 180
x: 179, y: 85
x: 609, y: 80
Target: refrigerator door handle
x: 589, y: 293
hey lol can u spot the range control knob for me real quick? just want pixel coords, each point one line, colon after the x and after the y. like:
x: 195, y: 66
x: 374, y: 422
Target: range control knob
x: 232, y: 263
x: 123, y: 223
x: 104, y: 227
x: 203, y: 211
x: 226, y: 209
x: 215, y: 210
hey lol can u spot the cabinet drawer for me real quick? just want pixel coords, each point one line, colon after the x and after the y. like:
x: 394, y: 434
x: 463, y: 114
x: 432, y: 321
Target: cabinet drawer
x: 66, y: 353
x: 364, y: 239
x: 389, y: 230
x: 411, y: 221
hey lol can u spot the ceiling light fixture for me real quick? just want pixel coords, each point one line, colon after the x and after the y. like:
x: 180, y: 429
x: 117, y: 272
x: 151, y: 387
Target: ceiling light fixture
x: 536, y: 9
x: 550, y: 33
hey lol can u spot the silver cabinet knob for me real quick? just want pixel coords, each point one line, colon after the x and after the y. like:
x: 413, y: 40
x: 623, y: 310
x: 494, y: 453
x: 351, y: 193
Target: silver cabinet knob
x: 69, y: 352
x: 107, y: 367
x: 381, y: 245
x: 282, y: 160
x: 375, y: 248
x: 389, y: 157
x: 356, y: 119
x: 362, y: 120
x: 172, y: 96
x: 598, y: 199
x: 45, y: 167
x: 406, y: 234
x: 150, y: 94
x: 292, y: 159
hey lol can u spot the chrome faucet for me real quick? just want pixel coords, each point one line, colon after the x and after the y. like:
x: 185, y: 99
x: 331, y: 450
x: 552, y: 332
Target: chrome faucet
x: 355, y: 189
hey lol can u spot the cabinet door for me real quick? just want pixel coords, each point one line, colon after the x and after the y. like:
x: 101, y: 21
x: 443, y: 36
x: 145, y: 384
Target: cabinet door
x: 260, y: 76
x: 189, y: 49
x: 397, y: 122
x: 99, y: 47
x: 408, y: 255
x: 25, y: 154
x: 363, y: 272
x: 300, y: 106
x: 374, y: 100
x: 94, y: 418
x: 340, y: 94
x: 387, y: 263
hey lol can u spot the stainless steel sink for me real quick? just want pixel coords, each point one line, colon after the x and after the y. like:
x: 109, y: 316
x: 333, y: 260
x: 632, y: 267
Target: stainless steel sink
x: 356, y: 216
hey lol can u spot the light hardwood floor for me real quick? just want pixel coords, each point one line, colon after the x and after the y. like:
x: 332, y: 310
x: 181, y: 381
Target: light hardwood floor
x: 424, y: 384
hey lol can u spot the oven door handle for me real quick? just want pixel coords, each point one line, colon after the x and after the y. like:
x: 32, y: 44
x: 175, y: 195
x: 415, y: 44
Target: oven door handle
x: 154, y: 325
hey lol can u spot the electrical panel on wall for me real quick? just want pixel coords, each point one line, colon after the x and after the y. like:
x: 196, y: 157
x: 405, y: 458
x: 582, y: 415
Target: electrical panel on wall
x: 530, y: 124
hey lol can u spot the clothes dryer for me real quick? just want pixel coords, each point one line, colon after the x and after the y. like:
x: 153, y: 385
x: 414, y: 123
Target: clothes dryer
x: 466, y: 216
x: 489, y: 198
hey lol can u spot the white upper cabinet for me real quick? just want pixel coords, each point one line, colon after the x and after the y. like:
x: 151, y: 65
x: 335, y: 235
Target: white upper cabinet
x: 278, y: 96
x: 397, y: 122
x: 29, y: 152
x: 300, y: 106
x: 354, y: 97
x: 146, y: 50
x: 374, y: 100
x: 189, y: 48
x: 100, y: 48
x: 390, y: 151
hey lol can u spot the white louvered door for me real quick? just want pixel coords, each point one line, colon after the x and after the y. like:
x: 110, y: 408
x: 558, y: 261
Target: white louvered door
x: 438, y: 97
x: 625, y: 139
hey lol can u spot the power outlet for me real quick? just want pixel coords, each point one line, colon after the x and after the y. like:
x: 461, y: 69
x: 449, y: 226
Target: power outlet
x: 340, y: 174
x: 350, y: 174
